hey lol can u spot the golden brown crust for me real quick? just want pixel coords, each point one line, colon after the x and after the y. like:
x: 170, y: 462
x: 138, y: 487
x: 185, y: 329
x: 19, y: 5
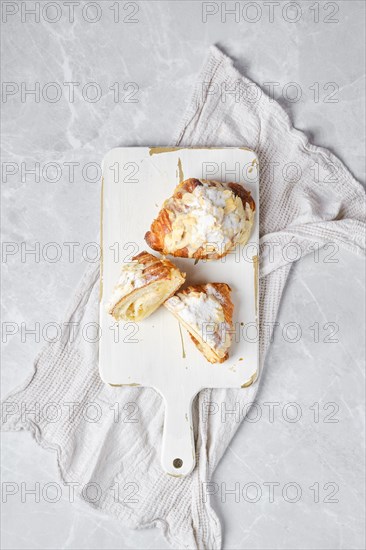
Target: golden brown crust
x: 162, y: 225
x: 243, y: 194
x: 198, y: 345
x: 186, y: 186
x: 222, y: 293
x: 156, y: 268
x: 145, y: 271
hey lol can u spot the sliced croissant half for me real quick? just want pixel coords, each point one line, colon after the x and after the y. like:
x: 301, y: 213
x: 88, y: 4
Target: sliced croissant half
x: 143, y: 285
x: 206, y: 311
x: 203, y: 220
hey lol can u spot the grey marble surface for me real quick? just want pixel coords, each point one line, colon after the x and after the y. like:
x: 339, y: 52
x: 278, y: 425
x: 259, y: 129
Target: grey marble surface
x: 161, y: 54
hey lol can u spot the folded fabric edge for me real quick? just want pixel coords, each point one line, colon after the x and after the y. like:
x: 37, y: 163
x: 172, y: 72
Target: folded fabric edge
x: 86, y: 282
x: 217, y: 58
x: 129, y: 518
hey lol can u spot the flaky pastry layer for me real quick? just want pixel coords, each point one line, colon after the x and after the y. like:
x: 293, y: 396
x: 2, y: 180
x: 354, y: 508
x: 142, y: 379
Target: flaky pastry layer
x: 206, y: 312
x: 143, y: 285
x: 203, y: 220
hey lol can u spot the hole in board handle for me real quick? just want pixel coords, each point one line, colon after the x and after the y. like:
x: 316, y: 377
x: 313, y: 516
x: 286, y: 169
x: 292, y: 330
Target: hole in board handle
x: 177, y: 463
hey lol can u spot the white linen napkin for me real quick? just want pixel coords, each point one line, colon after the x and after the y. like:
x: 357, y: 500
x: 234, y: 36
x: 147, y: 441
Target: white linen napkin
x: 121, y: 459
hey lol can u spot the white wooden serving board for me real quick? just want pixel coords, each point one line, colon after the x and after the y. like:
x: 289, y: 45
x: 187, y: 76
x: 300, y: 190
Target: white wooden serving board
x: 136, y: 181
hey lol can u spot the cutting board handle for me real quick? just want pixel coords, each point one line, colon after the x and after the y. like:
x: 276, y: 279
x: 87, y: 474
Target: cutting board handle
x: 178, y: 455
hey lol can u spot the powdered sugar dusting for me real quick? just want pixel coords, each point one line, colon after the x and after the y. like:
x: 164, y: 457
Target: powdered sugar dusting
x: 203, y: 311
x: 131, y: 277
x: 211, y: 216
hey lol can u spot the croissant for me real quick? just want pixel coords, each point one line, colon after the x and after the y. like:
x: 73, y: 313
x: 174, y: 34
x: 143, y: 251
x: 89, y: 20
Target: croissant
x: 206, y: 311
x: 143, y: 285
x: 203, y: 220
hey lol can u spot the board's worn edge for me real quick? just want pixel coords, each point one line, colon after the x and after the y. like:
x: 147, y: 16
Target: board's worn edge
x: 160, y: 150
x: 101, y: 242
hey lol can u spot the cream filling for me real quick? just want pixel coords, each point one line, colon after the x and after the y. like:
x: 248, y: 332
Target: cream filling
x: 130, y: 278
x: 144, y: 301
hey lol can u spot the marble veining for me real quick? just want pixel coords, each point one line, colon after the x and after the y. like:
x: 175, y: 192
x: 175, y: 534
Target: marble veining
x: 126, y: 83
